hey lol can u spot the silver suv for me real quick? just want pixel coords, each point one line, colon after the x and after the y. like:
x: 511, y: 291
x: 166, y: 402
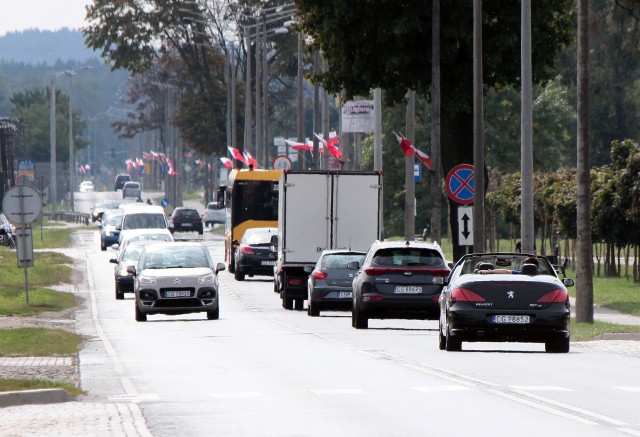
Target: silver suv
x: 132, y: 189
x: 176, y: 278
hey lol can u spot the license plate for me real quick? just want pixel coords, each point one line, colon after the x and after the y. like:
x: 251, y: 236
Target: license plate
x: 511, y: 319
x: 187, y: 225
x: 177, y: 293
x: 344, y: 294
x: 407, y: 289
x: 268, y: 263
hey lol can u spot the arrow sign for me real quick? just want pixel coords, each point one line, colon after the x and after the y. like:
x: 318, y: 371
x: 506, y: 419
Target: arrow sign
x: 465, y: 225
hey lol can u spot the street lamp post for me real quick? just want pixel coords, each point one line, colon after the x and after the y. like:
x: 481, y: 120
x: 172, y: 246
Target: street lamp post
x: 53, y: 183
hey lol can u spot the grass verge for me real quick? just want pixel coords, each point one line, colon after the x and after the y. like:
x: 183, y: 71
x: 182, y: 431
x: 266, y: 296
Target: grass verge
x: 38, y: 342
x: 588, y: 331
x: 35, y: 384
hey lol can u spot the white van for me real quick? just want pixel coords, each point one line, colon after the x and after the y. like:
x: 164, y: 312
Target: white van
x: 143, y: 217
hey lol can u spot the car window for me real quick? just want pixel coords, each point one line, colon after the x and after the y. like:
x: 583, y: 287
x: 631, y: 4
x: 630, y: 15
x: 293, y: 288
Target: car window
x: 113, y: 219
x: 408, y: 256
x: 187, y: 213
x: 143, y: 221
x: 214, y: 205
x: 258, y: 238
x: 131, y: 253
x: 340, y: 260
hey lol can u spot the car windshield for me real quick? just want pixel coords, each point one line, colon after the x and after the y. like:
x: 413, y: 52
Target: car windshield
x: 259, y: 238
x: 131, y: 253
x: 341, y: 260
x: 112, y: 219
x: 180, y: 257
x: 507, y: 261
x: 408, y: 256
x: 188, y: 213
x: 144, y: 221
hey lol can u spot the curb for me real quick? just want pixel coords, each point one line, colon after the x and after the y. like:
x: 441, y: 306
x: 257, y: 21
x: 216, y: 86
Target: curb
x: 42, y: 396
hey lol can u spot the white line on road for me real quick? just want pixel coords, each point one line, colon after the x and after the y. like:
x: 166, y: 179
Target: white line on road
x: 540, y: 388
x: 442, y: 388
x: 337, y: 391
x: 238, y: 395
x: 628, y: 388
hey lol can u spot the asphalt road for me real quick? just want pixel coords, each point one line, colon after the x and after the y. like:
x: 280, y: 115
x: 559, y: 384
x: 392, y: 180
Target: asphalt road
x: 261, y: 370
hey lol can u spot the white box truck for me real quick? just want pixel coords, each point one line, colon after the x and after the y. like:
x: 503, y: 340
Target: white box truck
x: 321, y: 210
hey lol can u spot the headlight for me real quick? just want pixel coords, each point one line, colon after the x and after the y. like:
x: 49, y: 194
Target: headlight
x: 147, y: 280
x: 206, y: 279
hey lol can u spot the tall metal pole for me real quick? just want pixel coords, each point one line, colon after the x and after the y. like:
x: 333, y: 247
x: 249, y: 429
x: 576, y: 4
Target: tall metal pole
x: 300, y: 101
x: 72, y: 166
x: 377, y: 130
x: 265, y: 100
x: 478, y: 132
x: 317, y: 158
x: 53, y: 182
x: 436, y: 163
x: 248, y: 137
x: 232, y: 78
x: 409, y: 181
x: 526, y: 160
x: 258, y: 111
x: 325, y: 115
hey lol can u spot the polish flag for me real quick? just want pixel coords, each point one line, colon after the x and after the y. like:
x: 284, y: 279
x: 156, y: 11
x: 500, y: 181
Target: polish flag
x: 424, y: 158
x: 227, y: 163
x: 331, y: 145
x: 237, y: 155
x: 300, y: 147
x: 250, y: 160
x: 406, y: 145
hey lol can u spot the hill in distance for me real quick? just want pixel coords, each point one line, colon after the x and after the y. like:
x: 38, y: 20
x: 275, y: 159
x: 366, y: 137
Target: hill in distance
x: 36, y: 46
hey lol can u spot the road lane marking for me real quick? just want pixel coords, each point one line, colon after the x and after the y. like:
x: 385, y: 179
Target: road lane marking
x: 540, y: 388
x: 634, y: 389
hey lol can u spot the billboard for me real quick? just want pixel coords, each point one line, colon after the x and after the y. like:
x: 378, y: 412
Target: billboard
x: 358, y: 116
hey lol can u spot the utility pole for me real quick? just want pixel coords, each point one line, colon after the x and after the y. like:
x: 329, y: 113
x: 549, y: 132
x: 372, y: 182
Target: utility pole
x: 409, y: 181
x: 478, y: 132
x: 436, y: 163
x: 526, y: 160
x: 300, y: 101
x: 53, y: 183
x: 248, y: 137
x: 317, y: 158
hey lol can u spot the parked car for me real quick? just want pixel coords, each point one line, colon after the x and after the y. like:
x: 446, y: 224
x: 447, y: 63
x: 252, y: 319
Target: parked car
x: 522, y: 303
x: 186, y: 220
x: 254, y: 255
x: 120, y: 181
x: 214, y: 213
x: 99, y: 208
x: 7, y: 232
x: 86, y: 186
x: 110, y: 227
x: 127, y: 256
x: 398, y: 280
x: 176, y: 278
x: 330, y: 282
x: 132, y: 189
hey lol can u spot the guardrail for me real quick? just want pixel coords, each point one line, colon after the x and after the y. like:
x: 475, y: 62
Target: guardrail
x: 69, y: 216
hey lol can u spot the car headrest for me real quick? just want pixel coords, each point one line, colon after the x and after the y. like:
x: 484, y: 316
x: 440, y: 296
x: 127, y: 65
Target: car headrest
x: 485, y: 266
x: 529, y: 269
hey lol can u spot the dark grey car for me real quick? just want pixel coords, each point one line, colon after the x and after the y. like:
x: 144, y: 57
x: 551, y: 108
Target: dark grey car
x: 331, y: 280
x: 398, y: 280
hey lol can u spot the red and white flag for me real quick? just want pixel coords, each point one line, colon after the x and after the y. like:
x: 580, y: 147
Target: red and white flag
x: 424, y: 158
x: 227, y: 163
x: 249, y: 159
x: 300, y: 147
x: 405, y: 144
x: 331, y: 145
x: 237, y: 155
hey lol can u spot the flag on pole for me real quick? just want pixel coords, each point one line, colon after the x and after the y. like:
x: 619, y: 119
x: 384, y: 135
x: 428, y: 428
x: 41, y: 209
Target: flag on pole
x: 424, y: 158
x: 237, y: 155
x: 300, y: 147
x: 405, y: 144
x: 227, y: 163
x: 331, y: 145
x: 250, y: 160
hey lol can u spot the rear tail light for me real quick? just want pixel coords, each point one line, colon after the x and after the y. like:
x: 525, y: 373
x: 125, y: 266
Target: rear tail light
x: 320, y: 275
x: 374, y: 271
x: 247, y: 250
x: 559, y: 295
x: 464, y: 295
x: 439, y: 272
x: 372, y: 298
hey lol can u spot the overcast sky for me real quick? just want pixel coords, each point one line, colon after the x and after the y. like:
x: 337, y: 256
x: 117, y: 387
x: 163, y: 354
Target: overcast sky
x: 41, y: 14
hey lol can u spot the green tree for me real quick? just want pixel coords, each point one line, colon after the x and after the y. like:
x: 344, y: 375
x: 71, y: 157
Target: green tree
x: 382, y: 44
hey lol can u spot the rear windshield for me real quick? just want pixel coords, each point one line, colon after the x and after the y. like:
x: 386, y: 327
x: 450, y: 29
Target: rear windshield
x: 259, y: 238
x: 214, y: 205
x: 144, y: 221
x: 340, y: 260
x: 408, y: 256
x: 188, y: 213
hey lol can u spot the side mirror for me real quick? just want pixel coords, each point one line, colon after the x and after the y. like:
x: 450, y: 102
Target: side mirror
x: 131, y: 270
x: 113, y: 261
x: 220, y: 267
x: 308, y: 269
x: 353, y: 265
x: 568, y: 282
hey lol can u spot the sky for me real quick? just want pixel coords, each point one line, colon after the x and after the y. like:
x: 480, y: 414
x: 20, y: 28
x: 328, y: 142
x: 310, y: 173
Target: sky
x: 20, y: 15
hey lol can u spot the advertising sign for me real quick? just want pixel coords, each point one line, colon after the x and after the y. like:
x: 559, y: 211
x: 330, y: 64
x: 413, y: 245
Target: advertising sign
x: 358, y: 116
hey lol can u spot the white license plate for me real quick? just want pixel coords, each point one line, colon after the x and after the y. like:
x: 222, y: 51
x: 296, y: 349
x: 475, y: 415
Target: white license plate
x: 407, y: 289
x: 344, y: 294
x: 177, y: 293
x: 186, y: 225
x: 268, y: 263
x: 511, y: 319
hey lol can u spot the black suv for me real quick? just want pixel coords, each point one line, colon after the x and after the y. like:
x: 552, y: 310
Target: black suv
x: 186, y: 219
x: 120, y: 181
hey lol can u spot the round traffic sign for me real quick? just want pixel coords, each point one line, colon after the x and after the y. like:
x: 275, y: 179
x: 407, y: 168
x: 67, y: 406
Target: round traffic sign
x: 460, y: 184
x: 164, y: 202
x: 22, y: 204
x: 282, y: 162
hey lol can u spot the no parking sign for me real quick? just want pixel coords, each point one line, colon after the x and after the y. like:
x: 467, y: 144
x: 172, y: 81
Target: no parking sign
x: 460, y: 184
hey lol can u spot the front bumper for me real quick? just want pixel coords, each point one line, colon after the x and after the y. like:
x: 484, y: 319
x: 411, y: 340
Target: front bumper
x: 152, y: 301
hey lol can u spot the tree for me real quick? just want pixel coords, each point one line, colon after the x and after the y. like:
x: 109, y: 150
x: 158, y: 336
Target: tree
x: 379, y: 44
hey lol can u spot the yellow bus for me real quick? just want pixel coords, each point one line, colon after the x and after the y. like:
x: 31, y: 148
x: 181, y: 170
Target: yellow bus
x: 251, y: 201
